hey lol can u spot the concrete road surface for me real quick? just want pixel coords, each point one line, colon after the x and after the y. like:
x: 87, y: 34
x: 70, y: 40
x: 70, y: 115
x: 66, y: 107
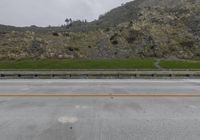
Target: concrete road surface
x: 93, y: 118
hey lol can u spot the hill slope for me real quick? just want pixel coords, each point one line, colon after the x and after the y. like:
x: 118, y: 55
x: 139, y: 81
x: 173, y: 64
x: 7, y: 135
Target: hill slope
x: 141, y: 28
x: 132, y: 10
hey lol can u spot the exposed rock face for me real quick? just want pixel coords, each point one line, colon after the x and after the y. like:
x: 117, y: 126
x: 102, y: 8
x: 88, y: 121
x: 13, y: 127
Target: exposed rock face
x: 142, y: 28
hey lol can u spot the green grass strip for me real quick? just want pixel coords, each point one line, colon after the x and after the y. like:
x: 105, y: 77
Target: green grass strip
x: 180, y: 64
x: 78, y: 64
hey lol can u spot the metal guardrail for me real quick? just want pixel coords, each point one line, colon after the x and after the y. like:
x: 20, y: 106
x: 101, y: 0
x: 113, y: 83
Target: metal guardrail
x: 98, y: 74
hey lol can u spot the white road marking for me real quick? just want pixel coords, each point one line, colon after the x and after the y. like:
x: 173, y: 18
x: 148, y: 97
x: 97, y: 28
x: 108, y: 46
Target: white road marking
x: 66, y: 119
x: 81, y: 107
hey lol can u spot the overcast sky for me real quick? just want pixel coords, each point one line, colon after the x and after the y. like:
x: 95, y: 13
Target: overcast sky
x: 52, y: 12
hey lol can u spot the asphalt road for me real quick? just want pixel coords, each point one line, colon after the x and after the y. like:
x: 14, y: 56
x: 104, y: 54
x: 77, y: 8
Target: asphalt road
x: 99, y: 86
x: 93, y: 118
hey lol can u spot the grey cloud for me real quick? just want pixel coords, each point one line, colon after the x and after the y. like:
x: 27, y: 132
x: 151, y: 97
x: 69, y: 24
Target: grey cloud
x: 52, y: 12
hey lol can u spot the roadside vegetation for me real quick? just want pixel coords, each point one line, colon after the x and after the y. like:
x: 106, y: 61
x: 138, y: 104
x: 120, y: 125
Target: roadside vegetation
x: 134, y: 63
x: 180, y: 64
x: 78, y: 64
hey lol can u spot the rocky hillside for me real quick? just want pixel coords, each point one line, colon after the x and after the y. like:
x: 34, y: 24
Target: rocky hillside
x: 141, y: 28
x: 133, y: 9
